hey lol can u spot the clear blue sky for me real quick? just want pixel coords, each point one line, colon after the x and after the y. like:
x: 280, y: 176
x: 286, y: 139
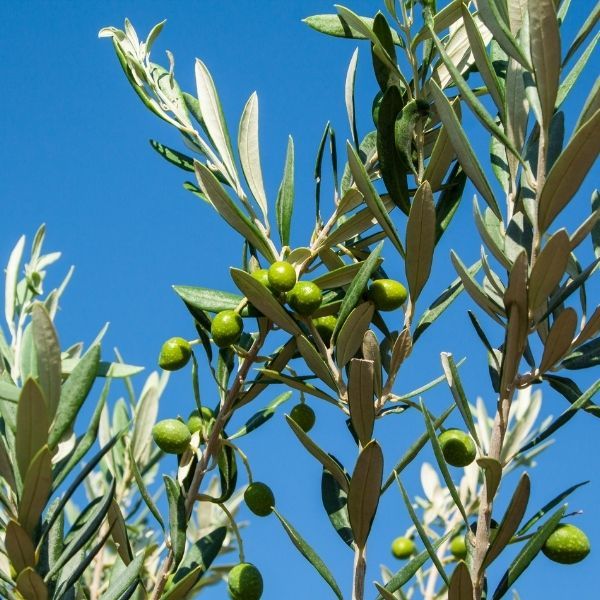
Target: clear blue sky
x: 75, y: 155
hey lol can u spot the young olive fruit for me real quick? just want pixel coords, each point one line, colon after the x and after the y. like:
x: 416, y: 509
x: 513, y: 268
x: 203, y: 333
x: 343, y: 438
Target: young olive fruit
x: 195, y: 420
x: 567, y: 545
x: 402, y: 548
x: 282, y: 276
x: 458, y: 547
x: 174, y: 354
x: 305, y: 297
x: 304, y: 416
x: 458, y: 447
x: 259, y: 498
x: 226, y: 328
x: 245, y: 582
x: 171, y: 436
x: 387, y: 294
x: 325, y: 326
x: 262, y: 276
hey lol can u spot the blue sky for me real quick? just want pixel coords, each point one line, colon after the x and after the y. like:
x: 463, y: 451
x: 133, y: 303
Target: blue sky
x: 75, y: 155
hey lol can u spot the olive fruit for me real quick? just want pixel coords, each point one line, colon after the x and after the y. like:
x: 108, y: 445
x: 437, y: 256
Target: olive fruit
x: 567, y: 545
x: 387, y: 294
x: 305, y: 297
x: 174, y: 354
x: 458, y: 547
x: 245, y: 582
x: 226, y: 328
x: 458, y: 447
x: 282, y: 276
x: 262, y: 275
x: 259, y: 499
x: 171, y: 436
x: 195, y: 421
x: 402, y: 548
x: 304, y: 416
x: 325, y: 326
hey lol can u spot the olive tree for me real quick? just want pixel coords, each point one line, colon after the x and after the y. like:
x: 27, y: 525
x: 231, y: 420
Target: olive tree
x: 330, y: 321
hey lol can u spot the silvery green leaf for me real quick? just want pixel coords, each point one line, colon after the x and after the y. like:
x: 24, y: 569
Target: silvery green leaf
x: 420, y: 240
x: 462, y: 147
x: 285, y: 197
x: 442, y: 302
x: 145, y: 418
x: 260, y: 297
x: 261, y: 417
x: 439, y: 456
x: 32, y: 425
x: 350, y: 337
x: 569, y: 171
x: 364, y: 491
x: 297, y: 383
x: 73, y: 394
x: 36, y: 489
x: 31, y: 585
x: 512, y: 519
x: 120, y: 584
x: 441, y: 158
x: 250, y: 153
x: 174, y: 156
x: 357, y: 287
x: 372, y: 198
x: 212, y: 114
x: 442, y: 20
x: 529, y: 551
x: 47, y: 349
x: 325, y: 459
x: 315, y: 362
x: 10, y: 283
x: 230, y: 212
x: 19, y: 547
x: 349, y: 96
x: 592, y: 104
x: 371, y: 351
x: 559, y: 340
x: 467, y: 93
x: 545, y: 55
x: 177, y: 518
x: 573, y: 75
x: 584, y: 31
x: 338, y: 277
x: 335, y: 25
x: 309, y: 554
x: 494, y: 20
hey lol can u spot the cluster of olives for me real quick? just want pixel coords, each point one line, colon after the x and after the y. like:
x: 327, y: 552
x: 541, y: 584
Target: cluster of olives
x: 173, y: 436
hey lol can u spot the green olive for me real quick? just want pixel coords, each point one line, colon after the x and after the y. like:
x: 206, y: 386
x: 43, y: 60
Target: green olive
x: 226, y: 328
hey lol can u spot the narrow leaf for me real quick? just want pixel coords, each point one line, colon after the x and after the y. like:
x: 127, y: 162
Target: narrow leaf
x: 285, y: 197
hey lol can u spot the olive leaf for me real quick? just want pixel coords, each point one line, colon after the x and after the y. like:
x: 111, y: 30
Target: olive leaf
x: 461, y: 586
x: 349, y: 96
x: 462, y: 147
x: 250, y: 153
x: 336, y: 25
x: 47, y: 350
x: 311, y: 556
x: 19, y: 547
x: 32, y: 425
x: 315, y: 362
x: 339, y: 277
x: 325, y: 459
x: 559, y: 339
x: 335, y: 501
x: 177, y: 518
x: 364, y: 491
x: 230, y: 212
x: 420, y: 240
x: 122, y: 582
x: 529, y: 551
x: 569, y: 171
x: 285, y: 197
x: 372, y: 198
x: 512, y: 519
x: 261, y: 417
x: 263, y: 300
x: 350, y: 336
x: 361, y: 399
x: 493, y: 475
x: 545, y: 55
x: 357, y: 287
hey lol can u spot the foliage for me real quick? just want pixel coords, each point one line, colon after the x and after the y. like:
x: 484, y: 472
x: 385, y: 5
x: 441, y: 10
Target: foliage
x: 398, y: 192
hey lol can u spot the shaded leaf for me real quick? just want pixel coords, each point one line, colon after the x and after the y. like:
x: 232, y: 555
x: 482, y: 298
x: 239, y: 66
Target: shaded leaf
x: 177, y: 518
x: 350, y: 336
x: 364, y: 491
x: 461, y: 586
x: 261, y: 417
x: 335, y: 501
x: 559, y: 339
x: 37, y: 484
x: 125, y: 579
x: 285, y: 197
x: 360, y: 399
